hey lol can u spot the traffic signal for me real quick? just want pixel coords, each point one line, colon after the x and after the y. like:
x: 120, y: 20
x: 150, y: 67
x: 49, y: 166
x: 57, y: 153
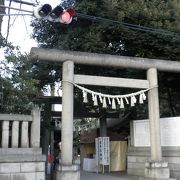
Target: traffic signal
x: 58, y: 14
x: 55, y: 13
x: 43, y: 11
x: 67, y: 15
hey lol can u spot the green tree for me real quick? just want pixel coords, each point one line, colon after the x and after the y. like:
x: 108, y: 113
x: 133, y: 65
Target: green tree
x: 92, y: 36
x: 18, y: 88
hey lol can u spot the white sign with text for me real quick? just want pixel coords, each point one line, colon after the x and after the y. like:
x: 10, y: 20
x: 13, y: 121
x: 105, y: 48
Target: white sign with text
x: 102, y: 150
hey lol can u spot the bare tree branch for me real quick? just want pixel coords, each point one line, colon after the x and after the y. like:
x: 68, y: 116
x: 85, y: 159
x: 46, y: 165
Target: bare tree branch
x: 9, y: 20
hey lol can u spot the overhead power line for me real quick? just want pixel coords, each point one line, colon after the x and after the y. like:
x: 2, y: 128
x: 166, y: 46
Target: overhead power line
x: 19, y: 9
x: 105, y: 21
x: 16, y: 14
x: 23, y: 2
x: 128, y: 25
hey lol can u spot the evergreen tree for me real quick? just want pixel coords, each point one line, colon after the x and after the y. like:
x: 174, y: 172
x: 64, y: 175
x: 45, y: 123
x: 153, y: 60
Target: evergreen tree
x: 91, y: 36
x: 17, y: 87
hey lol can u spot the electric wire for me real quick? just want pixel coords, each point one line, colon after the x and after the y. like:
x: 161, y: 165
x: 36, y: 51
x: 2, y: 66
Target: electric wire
x: 128, y: 25
x: 8, y: 7
x: 23, y: 2
x: 16, y: 14
x: 113, y: 22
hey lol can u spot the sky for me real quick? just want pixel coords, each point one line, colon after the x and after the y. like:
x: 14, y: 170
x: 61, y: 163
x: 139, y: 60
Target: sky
x: 20, y: 30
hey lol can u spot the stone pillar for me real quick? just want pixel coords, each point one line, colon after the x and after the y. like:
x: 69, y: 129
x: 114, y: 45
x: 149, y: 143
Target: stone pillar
x: 154, y: 119
x: 24, y: 135
x: 67, y: 171
x: 5, y: 134
x: 35, y: 127
x: 67, y: 113
x: 15, y: 134
x: 155, y: 169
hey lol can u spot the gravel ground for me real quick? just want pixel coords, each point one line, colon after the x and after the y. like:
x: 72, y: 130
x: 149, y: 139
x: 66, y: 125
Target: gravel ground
x: 106, y: 176
x: 111, y: 176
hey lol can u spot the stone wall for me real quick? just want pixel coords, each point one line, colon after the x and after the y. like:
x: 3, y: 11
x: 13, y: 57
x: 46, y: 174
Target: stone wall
x: 22, y: 164
x: 22, y: 171
x: 138, y: 156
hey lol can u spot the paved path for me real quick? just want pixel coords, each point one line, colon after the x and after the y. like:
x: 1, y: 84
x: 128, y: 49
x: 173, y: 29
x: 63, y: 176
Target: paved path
x: 111, y: 176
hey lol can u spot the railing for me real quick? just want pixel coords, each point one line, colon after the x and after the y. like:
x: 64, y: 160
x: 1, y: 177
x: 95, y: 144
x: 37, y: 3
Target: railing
x: 20, y: 131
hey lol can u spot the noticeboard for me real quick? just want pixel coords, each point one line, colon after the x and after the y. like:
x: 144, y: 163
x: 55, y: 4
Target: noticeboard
x: 170, y: 133
x: 102, y: 151
x: 106, y: 152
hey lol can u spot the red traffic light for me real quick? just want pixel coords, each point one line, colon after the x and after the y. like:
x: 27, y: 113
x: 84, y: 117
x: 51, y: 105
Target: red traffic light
x: 67, y: 15
x: 70, y: 11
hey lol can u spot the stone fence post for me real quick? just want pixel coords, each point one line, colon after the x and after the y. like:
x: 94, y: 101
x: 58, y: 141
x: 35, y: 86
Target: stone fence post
x: 35, y: 127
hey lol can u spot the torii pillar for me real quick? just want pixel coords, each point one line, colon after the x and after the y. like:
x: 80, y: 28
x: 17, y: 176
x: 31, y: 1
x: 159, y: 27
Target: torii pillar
x: 66, y: 170
x: 155, y: 168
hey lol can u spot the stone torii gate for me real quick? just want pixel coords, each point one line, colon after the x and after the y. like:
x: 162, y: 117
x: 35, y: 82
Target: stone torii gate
x: 155, y: 169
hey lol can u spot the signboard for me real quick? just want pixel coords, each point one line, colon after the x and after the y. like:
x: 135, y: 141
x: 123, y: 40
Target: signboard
x: 102, y: 150
x: 170, y: 132
x: 97, y: 151
x: 141, y: 133
x: 105, y: 152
